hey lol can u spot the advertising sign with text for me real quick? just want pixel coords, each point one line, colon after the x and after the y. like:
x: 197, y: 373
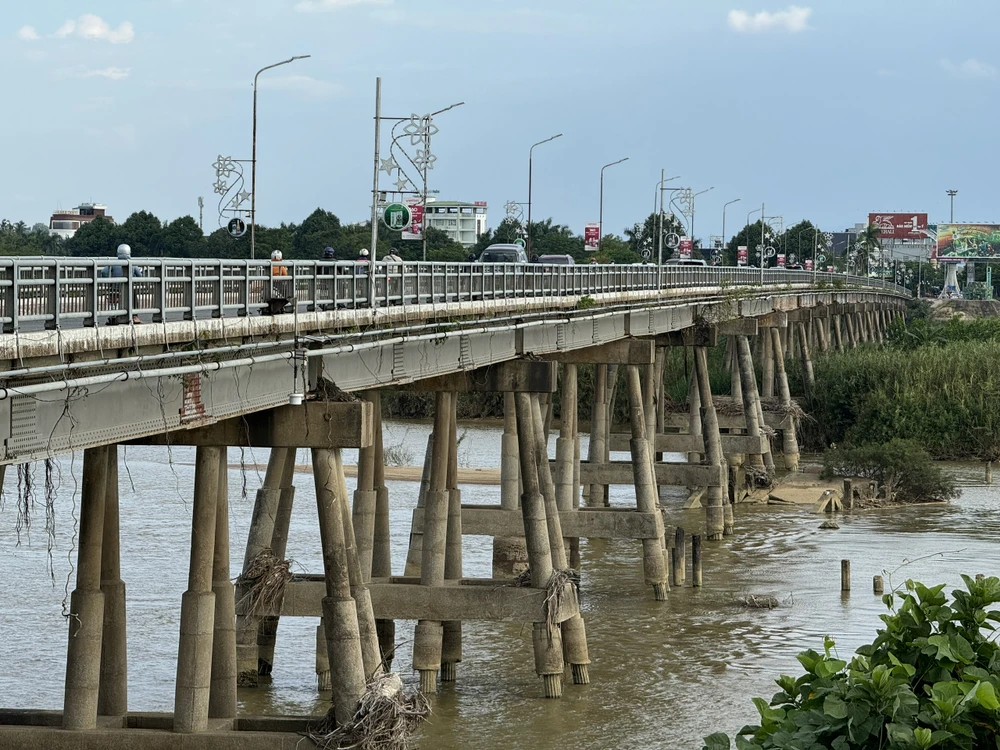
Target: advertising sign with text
x: 415, y: 231
x: 809, y: 264
x: 781, y: 260
x: 591, y: 237
x: 900, y: 226
x: 741, y: 255
x: 684, y: 251
x: 957, y: 243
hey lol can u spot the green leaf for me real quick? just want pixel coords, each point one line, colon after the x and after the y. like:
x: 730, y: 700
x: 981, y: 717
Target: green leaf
x: 943, y: 645
x: 834, y: 707
x: 987, y: 696
x: 717, y: 741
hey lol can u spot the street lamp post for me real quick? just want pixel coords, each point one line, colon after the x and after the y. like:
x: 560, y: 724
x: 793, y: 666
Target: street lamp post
x: 659, y: 218
x: 724, y: 207
x: 428, y: 161
x: 693, y: 239
x: 600, y: 220
x: 530, y: 153
x: 253, y: 149
x: 951, y: 195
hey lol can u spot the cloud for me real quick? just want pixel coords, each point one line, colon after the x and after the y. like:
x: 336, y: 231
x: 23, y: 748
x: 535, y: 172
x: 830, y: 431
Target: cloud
x: 95, y: 28
x: 309, y: 6
x: 112, y: 73
x: 312, y: 88
x: 793, y: 20
x: 27, y: 34
x: 971, y: 68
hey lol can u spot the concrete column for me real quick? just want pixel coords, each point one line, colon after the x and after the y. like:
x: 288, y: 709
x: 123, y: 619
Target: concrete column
x: 262, y: 523
x: 748, y: 395
x: 323, y: 681
x: 510, y: 557
x: 370, y: 656
x: 736, y: 383
x: 113, y: 695
x: 414, y: 553
x: 547, y: 643
x: 717, y: 521
x: 661, y: 397
x: 598, y: 431
x: 340, y: 615
x: 565, y: 443
x: 451, y: 640
x: 653, y: 563
x: 808, y: 378
x: 838, y: 335
x: 767, y: 365
x: 822, y: 333
x: 194, y: 654
x: 86, y: 624
x: 427, y: 642
x: 382, y: 548
x: 222, y: 699
x: 268, y: 630
x: 852, y: 333
x: 790, y: 443
x: 365, y: 500
x: 694, y: 414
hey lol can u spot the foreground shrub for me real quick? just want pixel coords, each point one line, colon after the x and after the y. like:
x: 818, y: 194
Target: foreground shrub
x: 902, y: 469
x: 930, y: 679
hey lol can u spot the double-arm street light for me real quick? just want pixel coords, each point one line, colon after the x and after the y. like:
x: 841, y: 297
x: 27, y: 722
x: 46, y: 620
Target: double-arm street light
x: 531, y: 152
x: 659, y: 218
x: 253, y: 148
x: 727, y: 205
x: 600, y: 220
x: 692, y: 211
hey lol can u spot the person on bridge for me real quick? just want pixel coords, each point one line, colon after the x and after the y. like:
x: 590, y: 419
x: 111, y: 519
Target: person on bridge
x: 276, y: 268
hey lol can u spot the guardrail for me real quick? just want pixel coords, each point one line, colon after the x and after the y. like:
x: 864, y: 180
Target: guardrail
x: 69, y: 292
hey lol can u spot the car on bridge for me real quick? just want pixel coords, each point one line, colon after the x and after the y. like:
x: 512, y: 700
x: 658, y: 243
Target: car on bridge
x: 556, y: 260
x: 685, y: 262
x: 503, y: 253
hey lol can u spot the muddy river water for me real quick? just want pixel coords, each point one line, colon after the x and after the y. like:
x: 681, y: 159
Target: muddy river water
x: 663, y: 674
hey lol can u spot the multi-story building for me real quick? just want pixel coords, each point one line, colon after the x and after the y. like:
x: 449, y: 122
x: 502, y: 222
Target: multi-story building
x: 65, y: 222
x: 463, y: 222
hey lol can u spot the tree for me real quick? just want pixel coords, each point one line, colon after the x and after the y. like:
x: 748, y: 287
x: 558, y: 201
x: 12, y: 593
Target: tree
x: 614, y: 249
x: 644, y: 236
x: 800, y: 241
x: 142, y: 231
x: 182, y: 238
x: 96, y: 238
x: 750, y: 236
x: 869, y: 248
x: 320, y: 230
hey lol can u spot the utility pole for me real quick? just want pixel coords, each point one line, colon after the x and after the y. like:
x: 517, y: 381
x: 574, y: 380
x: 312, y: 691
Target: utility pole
x: 201, y: 213
x: 951, y: 195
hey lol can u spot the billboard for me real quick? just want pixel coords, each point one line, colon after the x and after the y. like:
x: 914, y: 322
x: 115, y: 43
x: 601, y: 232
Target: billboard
x: 685, y: 247
x: 591, y: 237
x: 781, y: 260
x: 957, y: 243
x: 900, y: 226
x: 415, y: 231
x: 741, y: 255
x: 809, y: 264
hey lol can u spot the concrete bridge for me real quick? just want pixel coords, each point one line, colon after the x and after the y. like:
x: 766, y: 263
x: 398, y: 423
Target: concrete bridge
x: 215, y: 354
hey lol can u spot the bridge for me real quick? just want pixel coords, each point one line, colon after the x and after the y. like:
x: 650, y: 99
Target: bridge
x: 217, y: 353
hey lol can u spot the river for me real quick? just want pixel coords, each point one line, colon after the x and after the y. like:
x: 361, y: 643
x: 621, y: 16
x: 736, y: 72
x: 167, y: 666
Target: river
x: 663, y: 674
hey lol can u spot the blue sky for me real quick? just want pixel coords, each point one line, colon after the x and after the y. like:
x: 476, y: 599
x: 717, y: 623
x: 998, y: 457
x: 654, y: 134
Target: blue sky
x: 824, y: 110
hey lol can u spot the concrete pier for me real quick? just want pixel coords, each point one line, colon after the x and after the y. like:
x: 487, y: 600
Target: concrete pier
x: 790, y: 447
x: 113, y: 694
x: 222, y: 699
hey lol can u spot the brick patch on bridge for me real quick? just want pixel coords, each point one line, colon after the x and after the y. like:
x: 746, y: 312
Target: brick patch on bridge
x: 192, y: 407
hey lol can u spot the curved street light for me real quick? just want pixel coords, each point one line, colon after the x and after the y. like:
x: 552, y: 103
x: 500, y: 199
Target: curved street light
x: 724, y: 207
x: 600, y: 220
x: 530, y: 153
x: 253, y: 148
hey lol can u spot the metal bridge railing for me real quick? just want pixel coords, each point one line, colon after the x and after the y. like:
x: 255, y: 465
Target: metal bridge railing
x: 69, y: 292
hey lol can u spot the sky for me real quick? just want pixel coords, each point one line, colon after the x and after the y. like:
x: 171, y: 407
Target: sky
x: 824, y: 111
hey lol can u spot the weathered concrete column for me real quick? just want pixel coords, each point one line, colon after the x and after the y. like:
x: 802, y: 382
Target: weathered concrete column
x: 852, y: 331
x: 790, y: 443
x: 748, y: 395
x: 427, y: 641
x: 365, y: 500
x: 510, y: 556
x: 598, y: 431
x: 736, y: 383
x: 717, y: 523
x: 694, y: 414
x: 222, y: 699
x: 113, y: 694
x: 194, y: 654
x: 565, y: 444
x: 340, y: 614
x: 808, y: 378
x: 414, y: 553
x: 323, y: 681
x: 86, y: 624
x: 268, y: 630
x: 382, y: 547
x: 838, y: 335
x: 547, y: 643
x: 653, y: 563
x: 451, y: 640
x: 259, y: 539
x: 661, y: 397
x: 368, y: 635
x: 823, y: 333
x: 767, y: 365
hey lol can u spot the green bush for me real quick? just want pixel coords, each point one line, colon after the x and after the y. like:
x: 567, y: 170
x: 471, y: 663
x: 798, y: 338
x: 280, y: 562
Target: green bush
x: 902, y: 468
x: 930, y: 679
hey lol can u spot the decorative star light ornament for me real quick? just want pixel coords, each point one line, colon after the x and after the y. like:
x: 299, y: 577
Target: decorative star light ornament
x: 388, y: 165
x: 402, y: 184
x: 244, y: 196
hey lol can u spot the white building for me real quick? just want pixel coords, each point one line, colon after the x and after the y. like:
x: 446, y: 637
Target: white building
x: 463, y: 222
x: 65, y: 222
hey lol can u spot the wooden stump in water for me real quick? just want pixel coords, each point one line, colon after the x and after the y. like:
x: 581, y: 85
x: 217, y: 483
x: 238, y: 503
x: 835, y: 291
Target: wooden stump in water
x: 845, y: 575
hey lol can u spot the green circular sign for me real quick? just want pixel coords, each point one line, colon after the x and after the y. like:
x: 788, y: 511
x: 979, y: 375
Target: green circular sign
x: 519, y: 242
x: 396, y: 216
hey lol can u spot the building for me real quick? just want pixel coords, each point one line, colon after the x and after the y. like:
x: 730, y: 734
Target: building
x: 463, y: 222
x: 65, y: 223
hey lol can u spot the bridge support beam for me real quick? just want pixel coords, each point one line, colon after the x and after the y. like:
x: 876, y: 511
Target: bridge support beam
x: 222, y: 697
x: 83, y: 655
x: 597, y: 495
x: 451, y: 641
x: 790, y: 443
x: 749, y: 397
x: 113, y: 697
x: 381, y: 544
x: 268, y: 628
x: 805, y: 351
x: 510, y: 556
x: 767, y: 364
x: 717, y: 521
